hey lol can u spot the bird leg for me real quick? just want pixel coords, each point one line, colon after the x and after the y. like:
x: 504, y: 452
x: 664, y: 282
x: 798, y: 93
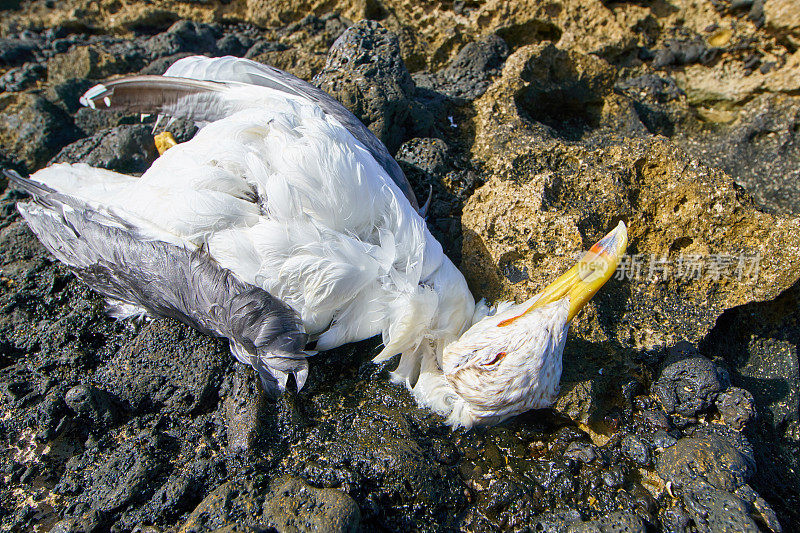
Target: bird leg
x: 164, y: 141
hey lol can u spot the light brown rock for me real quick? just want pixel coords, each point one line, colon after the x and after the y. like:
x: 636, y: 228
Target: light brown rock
x: 783, y: 17
x: 548, y: 199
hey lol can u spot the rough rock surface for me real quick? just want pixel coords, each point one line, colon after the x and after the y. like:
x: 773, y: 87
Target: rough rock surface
x: 536, y: 127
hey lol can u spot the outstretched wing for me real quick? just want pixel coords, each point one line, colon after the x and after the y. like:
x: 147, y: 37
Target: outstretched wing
x: 195, y: 88
x: 165, y: 280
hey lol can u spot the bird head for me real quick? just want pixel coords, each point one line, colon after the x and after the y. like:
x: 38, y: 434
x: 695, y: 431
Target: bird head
x: 510, y: 361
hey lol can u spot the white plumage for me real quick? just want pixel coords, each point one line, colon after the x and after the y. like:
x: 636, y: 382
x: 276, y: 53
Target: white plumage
x: 278, y: 189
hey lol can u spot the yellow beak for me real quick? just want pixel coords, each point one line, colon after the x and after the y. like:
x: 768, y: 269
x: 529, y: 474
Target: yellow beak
x: 583, y: 280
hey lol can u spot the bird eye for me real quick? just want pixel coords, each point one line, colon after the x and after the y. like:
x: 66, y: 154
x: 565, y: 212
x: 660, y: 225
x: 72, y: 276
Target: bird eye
x: 497, y: 358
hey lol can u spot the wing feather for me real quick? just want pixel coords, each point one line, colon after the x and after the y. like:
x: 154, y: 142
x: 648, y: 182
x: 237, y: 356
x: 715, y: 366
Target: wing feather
x: 195, y: 88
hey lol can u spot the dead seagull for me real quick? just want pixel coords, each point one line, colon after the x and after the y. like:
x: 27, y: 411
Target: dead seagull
x: 284, y: 219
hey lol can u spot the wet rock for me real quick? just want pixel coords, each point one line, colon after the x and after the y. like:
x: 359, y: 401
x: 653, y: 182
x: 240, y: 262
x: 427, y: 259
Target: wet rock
x: 167, y: 367
x: 555, y: 522
x: 712, y: 460
x: 294, y: 505
x: 104, y: 481
x: 218, y: 508
x: 289, y: 505
x: 581, y: 451
x: 366, y: 73
x: 243, y: 405
x: 51, y: 416
x: 32, y: 129
x: 689, y: 386
x: 758, y: 149
x: 636, y: 450
x: 713, y: 509
x: 736, y: 406
x: 757, y: 342
x: 613, y: 523
x: 128, y: 149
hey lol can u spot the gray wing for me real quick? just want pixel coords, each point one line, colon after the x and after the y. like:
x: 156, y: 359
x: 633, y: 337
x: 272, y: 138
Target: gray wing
x: 168, y: 281
x: 174, y: 94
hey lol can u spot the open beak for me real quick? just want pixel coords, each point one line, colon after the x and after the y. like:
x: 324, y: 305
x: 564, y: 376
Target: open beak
x: 585, y: 278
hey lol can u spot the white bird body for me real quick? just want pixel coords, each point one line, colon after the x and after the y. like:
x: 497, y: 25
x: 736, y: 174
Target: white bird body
x: 282, y: 194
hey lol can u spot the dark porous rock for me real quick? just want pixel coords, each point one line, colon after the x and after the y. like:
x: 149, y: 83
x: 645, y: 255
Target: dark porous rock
x: 32, y: 129
x: 184, y: 36
x: 426, y: 154
x: 736, y: 406
x: 636, y: 450
x: 713, y: 460
x: 471, y: 72
x: 234, y: 45
x: 652, y: 87
x: 294, y: 505
x: 712, y: 510
x: 262, y: 47
x: 759, y: 149
x: 289, y: 505
x: 66, y: 94
x: 689, y: 386
x: 167, y: 367
x: 709, y: 471
x: 317, y: 33
x: 227, y: 504
x: 619, y: 522
x: 128, y: 149
x: 16, y: 51
x: 181, y: 128
x: 758, y: 341
x: 51, y: 416
x: 160, y: 65
x: 95, y: 407
x: 555, y: 522
x: 658, y: 101
x: 581, y: 451
x: 243, y: 408
x: 365, y: 72
x: 20, y: 78
x: 90, y: 121
x: 683, y: 52
x: 102, y: 481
